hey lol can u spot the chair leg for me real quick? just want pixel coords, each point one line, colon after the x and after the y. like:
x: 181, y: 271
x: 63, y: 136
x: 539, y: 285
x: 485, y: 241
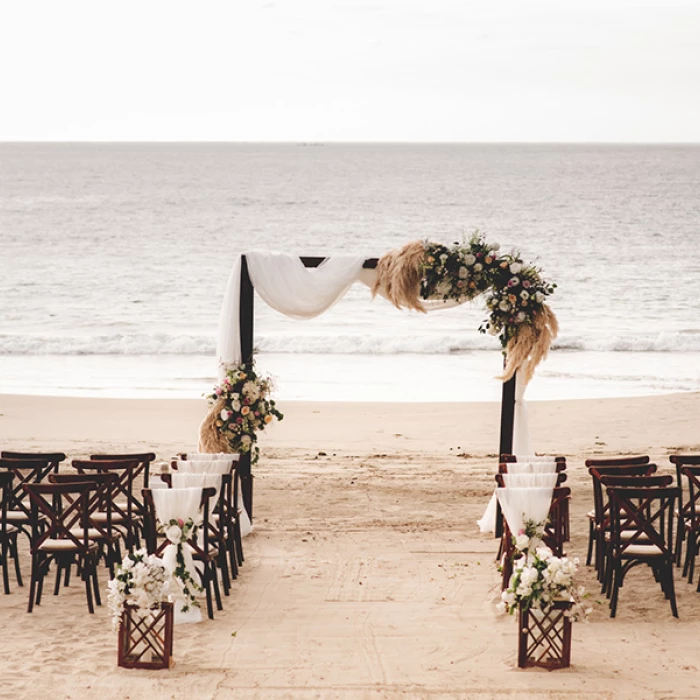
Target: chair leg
x: 680, y: 533
x: 591, y: 532
x: 96, y: 584
x: 215, y: 581
x: 5, y: 565
x: 616, y: 584
x: 15, y: 555
x: 88, y: 589
x: 670, y: 589
x: 57, y: 585
x: 33, y: 582
x: 206, y: 584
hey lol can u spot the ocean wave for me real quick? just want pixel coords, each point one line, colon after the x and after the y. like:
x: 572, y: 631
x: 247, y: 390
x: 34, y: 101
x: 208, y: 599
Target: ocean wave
x: 330, y: 344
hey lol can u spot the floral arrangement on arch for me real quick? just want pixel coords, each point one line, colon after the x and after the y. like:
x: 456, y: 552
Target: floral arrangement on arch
x: 141, y: 581
x: 539, y: 578
x: 515, y: 292
x: 240, y: 408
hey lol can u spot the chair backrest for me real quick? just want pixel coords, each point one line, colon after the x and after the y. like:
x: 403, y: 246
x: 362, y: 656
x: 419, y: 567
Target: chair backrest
x: 143, y: 470
x: 617, y: 461
x: 679, y: 461
x: 637, y: 481
x: 100, y: 500
x: 691, y: 507
x: 645, y: 515
x: 25, y: 471
x: 151, y: 524
x: 507, y: 467
x: 55, y: 458
x: 60, y: 512
x: 508, y: 458
x: 555, y: 531
x: 600, y: 507
x: 6, y: 478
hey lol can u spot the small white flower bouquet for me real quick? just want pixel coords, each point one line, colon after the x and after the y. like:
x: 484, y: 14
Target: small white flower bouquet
x: 140, y: 581
x: 539, y: 579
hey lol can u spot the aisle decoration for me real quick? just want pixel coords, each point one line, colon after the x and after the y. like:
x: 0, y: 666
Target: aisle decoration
x: 543, y: 592
x: 515, y: 293
x: 239, y: 410
x: 177, y: 559
x: 141, y: 611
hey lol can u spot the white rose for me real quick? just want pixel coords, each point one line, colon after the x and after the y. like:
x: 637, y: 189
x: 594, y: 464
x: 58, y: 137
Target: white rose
x: 493, y: 330
x: 478, y: 267
x: 515, y: 268
x: 443, y: 258
x: 522, y: 542
x: 514, y: 281
x: 469, y: 259
x: 236, y: 406
x: 443, y: 288
x: 245, y: 439
x: 225, y: 414
x: 173, y: 533
x: 504, y: 306
x: 463, y: 273
x: 524, y: 295
x: 539, y: 297
x: 521, y: 316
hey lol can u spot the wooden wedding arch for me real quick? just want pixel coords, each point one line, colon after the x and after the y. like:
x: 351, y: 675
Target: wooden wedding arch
x: 246, y: 328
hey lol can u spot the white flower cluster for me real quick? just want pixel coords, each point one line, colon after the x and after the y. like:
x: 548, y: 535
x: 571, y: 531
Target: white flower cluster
x: 539, y: 579
x: 140, y: 581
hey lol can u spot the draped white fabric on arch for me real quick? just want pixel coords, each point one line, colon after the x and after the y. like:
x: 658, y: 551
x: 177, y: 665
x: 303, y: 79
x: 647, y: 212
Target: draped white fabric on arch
x: 284, y: 283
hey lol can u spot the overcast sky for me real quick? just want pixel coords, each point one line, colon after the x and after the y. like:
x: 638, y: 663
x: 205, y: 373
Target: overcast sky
x: 332, y: 70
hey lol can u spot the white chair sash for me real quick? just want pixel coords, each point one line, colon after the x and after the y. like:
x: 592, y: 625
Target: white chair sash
x: 186, y: 480
x: 547, y: 480
x: 182, y: 504
x: 531, y: 467
x: 210, y: 457
x: 522, y: 504
x: 205, y: 466
x: 534, y: 458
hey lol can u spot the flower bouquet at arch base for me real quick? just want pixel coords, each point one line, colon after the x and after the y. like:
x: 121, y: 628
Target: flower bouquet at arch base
x: 240, y: 408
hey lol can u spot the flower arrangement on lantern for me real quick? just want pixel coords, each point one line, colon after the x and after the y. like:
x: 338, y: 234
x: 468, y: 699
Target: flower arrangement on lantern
x: 245, y: 407
x: 539, y: 578
x: 516, y: 292
x: 141, y: 581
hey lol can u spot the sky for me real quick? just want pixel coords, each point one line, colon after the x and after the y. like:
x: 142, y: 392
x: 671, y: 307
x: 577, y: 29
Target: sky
x: 341, y: 70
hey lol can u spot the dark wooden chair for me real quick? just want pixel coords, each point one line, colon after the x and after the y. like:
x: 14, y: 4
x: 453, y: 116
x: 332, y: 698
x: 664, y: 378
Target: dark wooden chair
x: 618, y: 461
x: 647, y: 513
x: 125, y: 515
x: 683, y: 506
x: 691, y: 519
x: 8, y: 533
x: 203, y: 550
x: 60, y: 533
x: 54, y: 458
x: 25, y: 471
x: 598, y: 521
x: 102, y: 529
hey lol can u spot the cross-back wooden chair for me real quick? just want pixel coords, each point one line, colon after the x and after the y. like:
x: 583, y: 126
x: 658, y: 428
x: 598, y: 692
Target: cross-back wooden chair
x: 683, y: 506
x: 203, y: 550
x: 691, y: 519
x: 140, y: 477
x: 8, y: 533
x: 54, y: 458
x: 101, y: 529
x: 62, y: 536
x: 123, y: 505
x: 647, y: 513
x: 598, y: 520
x: 25, y: 471
x: 630, y: 461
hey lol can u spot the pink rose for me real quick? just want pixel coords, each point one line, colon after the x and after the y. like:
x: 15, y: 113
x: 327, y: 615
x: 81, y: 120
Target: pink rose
x: 181, y: 522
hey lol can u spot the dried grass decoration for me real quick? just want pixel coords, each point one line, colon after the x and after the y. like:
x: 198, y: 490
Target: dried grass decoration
x: 239, y: 409
x: 515, y: 293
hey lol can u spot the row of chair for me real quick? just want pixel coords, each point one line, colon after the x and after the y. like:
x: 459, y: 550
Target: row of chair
x: 86, y: 515
x: 632, y: 521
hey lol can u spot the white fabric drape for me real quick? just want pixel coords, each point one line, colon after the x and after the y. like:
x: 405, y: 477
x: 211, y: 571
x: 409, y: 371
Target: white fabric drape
x: 531, y: 467
x: 287, y: 286
x: 186, y: 480
x: 523, y: 504
x: 183, y: 504
x: 546, y: 480
x: 525, y: 457
x: 521, y: 430
x: 209, y: 457
x: 219, y: 466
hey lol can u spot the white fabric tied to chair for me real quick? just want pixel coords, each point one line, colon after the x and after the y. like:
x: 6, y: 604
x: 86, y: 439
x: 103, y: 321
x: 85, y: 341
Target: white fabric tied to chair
x: 540, y: 474
x: 547, y: 480
x: 186, y: 480
x: 210, y: 457
x: 519, y: 505
x: 179, y: 504
x: 219, y: 466
x: 534, y: 458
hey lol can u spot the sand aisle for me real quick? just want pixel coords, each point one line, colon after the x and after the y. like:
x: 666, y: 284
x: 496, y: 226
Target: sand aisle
x: 366, y: 576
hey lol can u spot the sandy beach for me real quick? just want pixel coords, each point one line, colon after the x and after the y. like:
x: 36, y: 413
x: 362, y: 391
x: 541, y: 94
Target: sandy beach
x: 366, y: 575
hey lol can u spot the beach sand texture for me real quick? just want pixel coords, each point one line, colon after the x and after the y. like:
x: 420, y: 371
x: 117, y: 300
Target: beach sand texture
x: 366, y: 576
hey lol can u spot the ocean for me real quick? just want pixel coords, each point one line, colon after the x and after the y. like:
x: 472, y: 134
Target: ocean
x: 114, y: 260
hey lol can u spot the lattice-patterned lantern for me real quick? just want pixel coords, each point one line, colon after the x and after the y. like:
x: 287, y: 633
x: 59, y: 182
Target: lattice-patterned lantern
x: 146, y: 642
x: 544, y: 638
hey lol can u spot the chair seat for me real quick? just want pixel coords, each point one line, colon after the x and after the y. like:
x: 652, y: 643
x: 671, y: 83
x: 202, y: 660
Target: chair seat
x: 10, y: 530
x: 93, y: 533
x: 101, y: 518
x: 50, y: 545
x: 627, y: 535
x: 591, y: 515
x: 636, y: 551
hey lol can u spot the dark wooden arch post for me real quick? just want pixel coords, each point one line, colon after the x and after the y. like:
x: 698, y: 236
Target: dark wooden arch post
x: 245, y: 321
x: 506, y: 442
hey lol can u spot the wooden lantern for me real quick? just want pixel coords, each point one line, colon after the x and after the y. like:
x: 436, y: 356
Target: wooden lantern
x: 146, y: 642
x: 544, y: 638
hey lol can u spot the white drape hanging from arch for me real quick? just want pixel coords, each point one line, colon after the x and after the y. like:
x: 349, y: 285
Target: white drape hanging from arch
x: 289, y: 287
